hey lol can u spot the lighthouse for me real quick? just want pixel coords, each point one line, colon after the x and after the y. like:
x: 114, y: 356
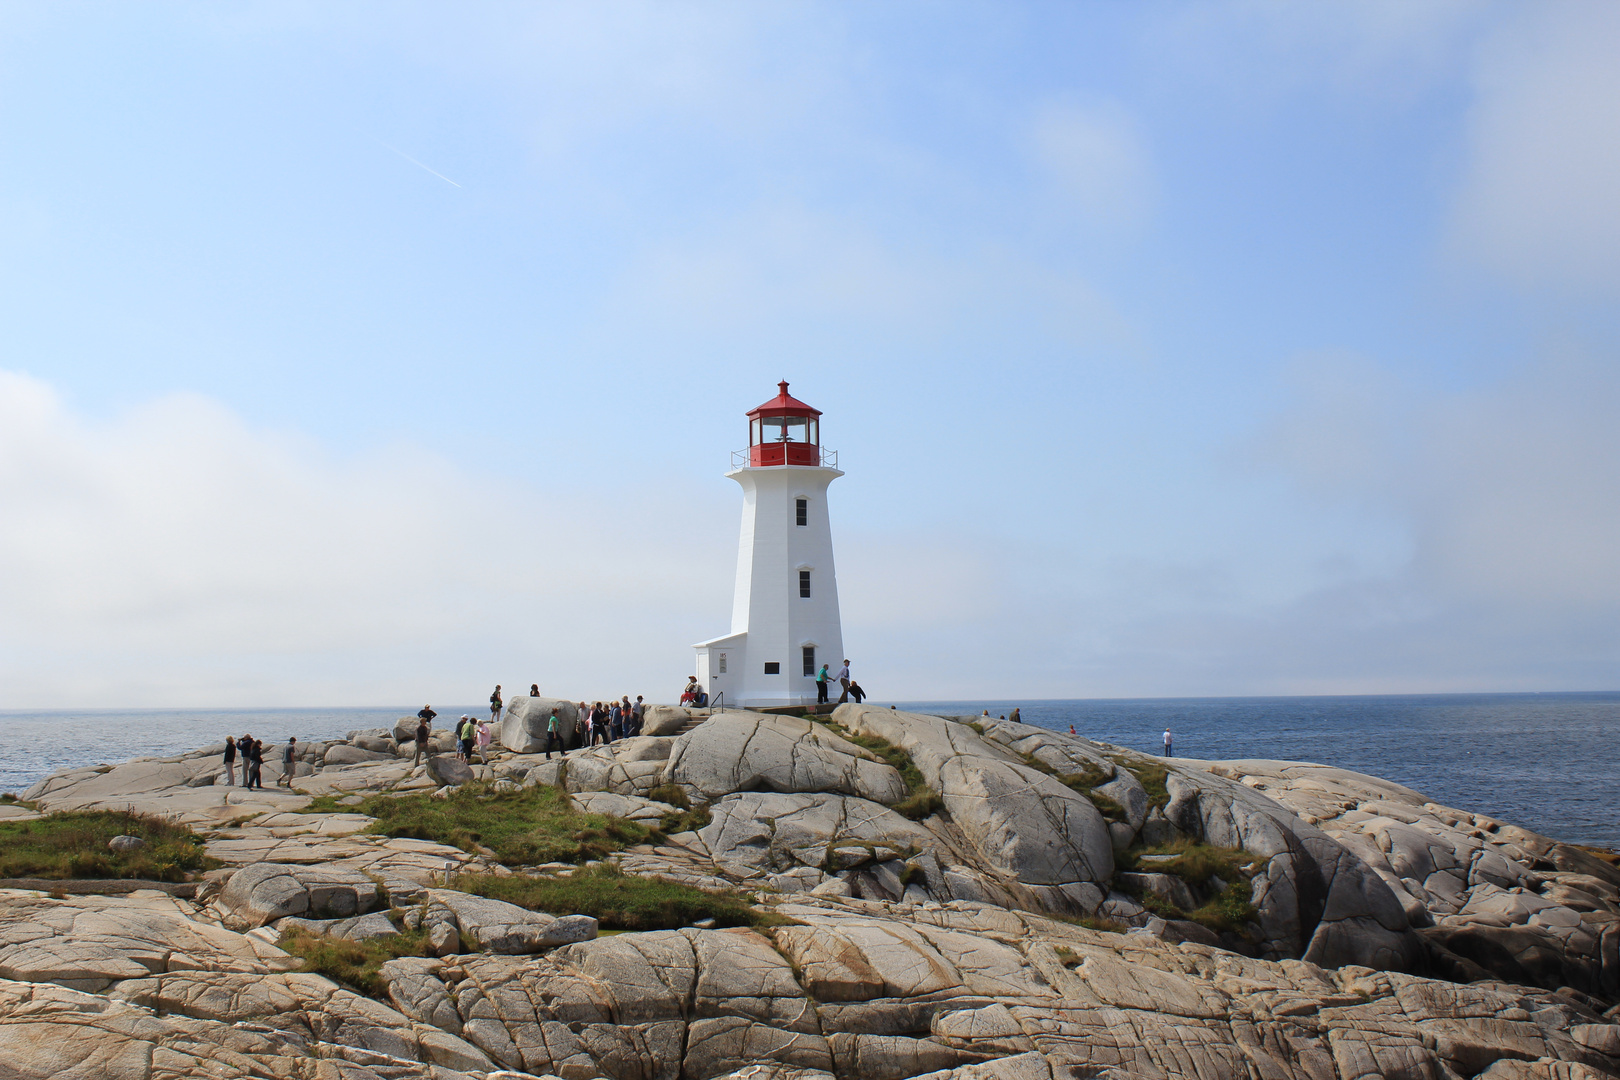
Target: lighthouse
x: 784, y: 611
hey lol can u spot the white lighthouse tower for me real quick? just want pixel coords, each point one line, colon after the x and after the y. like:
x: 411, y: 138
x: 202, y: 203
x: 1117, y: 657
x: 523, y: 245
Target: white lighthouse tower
x: 784, y: 613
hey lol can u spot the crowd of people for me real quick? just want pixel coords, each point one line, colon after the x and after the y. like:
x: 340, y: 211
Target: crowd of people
x: 595, y: 723
x: 250, y: 753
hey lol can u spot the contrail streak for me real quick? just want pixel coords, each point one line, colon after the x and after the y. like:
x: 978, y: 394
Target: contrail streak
x: 418, y: 164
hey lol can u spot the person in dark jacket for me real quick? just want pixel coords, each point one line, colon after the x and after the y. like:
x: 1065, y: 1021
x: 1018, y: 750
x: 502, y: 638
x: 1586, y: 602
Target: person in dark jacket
x: 230, y: 761
x: 422, y: 733
x: 287, y: 756
x: 255, y: 763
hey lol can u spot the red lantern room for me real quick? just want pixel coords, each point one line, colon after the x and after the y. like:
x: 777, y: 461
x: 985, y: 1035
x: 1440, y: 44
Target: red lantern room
x: 784, y: 431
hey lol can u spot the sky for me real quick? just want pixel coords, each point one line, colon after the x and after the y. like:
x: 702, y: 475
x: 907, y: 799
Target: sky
x: 376, y: 353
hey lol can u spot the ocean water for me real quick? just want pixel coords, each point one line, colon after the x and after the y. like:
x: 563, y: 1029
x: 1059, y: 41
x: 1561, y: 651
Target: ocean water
x: 1544, y: 761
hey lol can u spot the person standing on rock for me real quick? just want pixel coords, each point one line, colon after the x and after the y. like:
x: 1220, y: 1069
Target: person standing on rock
x: 483, y: 743
x: 639, y: 712
x: 821, y: 685
x: 495, y: 705
x: 230, y: 761
x: 422, y: 732
x: 1167, y: 743
x: 464, y: 738
x: 843, y: 681
x: 534, y: 689
x: 287, y: 761
x: 255, y: 764
x: 554, y: 734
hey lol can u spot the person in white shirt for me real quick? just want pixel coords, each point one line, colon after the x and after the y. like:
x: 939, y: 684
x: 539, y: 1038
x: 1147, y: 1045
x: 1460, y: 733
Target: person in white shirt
x: 843, y: 681
x: 1167, y: 742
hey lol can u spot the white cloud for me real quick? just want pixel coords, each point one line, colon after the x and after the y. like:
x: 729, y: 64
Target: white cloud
x: 1096, y: 161
x: 1537, y: 199
x: 176, y: 556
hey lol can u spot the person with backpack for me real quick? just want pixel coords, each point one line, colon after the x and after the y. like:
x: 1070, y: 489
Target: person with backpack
x: 495, y: 705
x: 287, y: 756
x: 554, y: 734
x: 230, y: 761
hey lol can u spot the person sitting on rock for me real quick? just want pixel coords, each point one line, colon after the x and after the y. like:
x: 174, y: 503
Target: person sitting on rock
x: 689, y: 695
x: 534, y: 689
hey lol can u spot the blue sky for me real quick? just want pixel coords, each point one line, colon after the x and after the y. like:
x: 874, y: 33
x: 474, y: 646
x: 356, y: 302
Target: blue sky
x: 1169, y: 349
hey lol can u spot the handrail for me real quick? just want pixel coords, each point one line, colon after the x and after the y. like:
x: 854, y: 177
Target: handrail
x: 717, y: 703
x: 742, y: 459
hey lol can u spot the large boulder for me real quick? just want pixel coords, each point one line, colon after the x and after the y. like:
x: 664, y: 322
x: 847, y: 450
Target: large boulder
x: 449, y: 770
x: 265, y: 892
x: 523, y: 724
x: 664, y: 719
x: 498, y: 927
x: 746, y: 751
x: 344, y: 754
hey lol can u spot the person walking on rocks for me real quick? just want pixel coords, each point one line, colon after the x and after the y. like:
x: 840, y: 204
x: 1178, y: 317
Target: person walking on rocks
x: 483, y: 743
x: 495, y: 705
x: 422, y: 732
x: 821, y: 685
x: 554, y: 734
x: 230, y: 761
x: 1167, y: 743
x: 843, y: 681
x: 287, y: 761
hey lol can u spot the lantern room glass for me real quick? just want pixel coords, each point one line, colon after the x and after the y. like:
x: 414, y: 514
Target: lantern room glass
x: 779, y: 429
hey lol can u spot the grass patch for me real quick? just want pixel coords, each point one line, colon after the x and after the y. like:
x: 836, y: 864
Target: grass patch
x: 619, y: 901
x: 686, y: 818
x: 73, y: 844
x: 920, y: 800
x: 1150, y: 774
x: 1089, y: 922
x: 353, y: 963
x: 1199, y: 864
x: 523, y: 828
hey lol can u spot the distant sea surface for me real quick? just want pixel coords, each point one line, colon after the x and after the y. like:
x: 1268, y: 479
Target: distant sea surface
x: 1544, y: 761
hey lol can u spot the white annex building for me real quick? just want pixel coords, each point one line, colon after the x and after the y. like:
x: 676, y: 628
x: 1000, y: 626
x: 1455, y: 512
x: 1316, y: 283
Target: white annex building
x: 784, y: 613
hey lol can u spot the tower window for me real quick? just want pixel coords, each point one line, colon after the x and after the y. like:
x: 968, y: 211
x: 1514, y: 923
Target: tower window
x: 809, y: 659
x: 801, y: 511
x: 804, y: 583
x: 773, y: 667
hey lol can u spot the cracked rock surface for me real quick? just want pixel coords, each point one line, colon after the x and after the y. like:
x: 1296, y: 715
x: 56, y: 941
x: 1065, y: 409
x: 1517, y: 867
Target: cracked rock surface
x: 1387, y: 936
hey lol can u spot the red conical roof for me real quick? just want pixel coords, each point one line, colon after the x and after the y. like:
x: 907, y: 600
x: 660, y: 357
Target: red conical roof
x: 783, y: 404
